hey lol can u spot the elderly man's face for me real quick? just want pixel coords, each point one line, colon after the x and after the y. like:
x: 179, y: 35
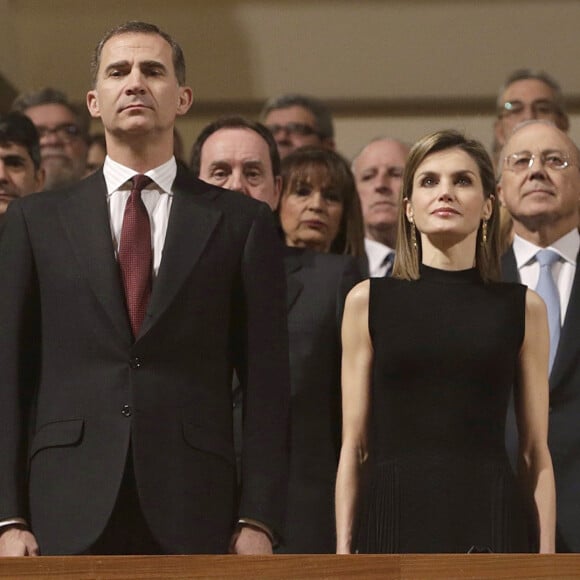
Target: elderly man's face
x: 378, y: 172
x: 239, y: 159
x: 62, y: 148
x: 546, y: 192
x: 525, y: 100
x: 18, y: 176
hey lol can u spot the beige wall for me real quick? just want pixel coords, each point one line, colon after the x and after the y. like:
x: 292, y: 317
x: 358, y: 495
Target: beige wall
x: 386, y: 67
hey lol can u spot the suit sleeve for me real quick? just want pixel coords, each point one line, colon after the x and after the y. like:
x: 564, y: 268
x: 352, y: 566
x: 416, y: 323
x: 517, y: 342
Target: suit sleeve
x: 19, y: 359
x: 264, y: 376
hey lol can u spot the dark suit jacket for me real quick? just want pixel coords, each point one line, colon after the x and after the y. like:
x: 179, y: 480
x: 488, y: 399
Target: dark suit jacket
x: 317, y: 287
x: 564, y: 427
x: 76, y: 390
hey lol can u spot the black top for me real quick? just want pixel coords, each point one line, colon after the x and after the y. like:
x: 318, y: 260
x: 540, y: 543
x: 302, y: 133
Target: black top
x: 445, y: 353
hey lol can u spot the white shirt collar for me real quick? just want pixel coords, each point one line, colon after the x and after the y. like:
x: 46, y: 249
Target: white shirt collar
x: 376, y: 254
x: 567, y: 246
x: 116, y: 175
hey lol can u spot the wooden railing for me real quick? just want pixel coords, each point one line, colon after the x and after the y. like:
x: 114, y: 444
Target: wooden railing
x: 405, y: 567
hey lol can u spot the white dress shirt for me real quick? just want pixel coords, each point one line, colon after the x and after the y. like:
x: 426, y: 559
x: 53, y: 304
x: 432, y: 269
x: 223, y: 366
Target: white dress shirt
x: 563, y: 271
x: 157, y: 198
x: 376, y: 254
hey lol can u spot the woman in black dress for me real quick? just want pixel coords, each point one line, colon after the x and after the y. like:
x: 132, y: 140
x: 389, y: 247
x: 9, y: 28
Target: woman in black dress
x: 430, y: 357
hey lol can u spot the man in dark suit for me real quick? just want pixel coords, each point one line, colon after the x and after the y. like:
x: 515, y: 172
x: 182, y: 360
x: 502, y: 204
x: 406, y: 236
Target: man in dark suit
x: 241, y: 155
x: 540, y: 187
x: 378, y: 174
x: 117, y: 355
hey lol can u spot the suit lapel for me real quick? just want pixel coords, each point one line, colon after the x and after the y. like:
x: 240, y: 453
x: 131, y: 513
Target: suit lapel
x: 85, y: 218
x: 569, y: 346
x: 191, y: 222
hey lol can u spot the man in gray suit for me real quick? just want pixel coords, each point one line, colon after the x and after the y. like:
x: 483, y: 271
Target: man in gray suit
x: 540, y: 187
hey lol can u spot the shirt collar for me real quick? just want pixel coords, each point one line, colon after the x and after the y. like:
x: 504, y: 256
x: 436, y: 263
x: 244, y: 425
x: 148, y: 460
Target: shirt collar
x: 376, y: 253
x: 116, y: 175
x: 567, y: 247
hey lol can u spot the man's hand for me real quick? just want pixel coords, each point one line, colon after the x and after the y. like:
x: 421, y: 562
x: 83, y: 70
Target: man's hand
x: 15, y: 541
x: 250, y: 541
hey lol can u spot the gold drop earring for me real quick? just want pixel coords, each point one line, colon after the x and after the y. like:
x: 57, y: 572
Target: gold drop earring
x: 413, y: 233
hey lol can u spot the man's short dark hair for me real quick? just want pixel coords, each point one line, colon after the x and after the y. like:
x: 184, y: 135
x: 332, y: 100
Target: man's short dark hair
x: 18, y: 129
x: 321, y: 112
x: 138, y: 27
x: 50, y: 96
x: 234, y: 122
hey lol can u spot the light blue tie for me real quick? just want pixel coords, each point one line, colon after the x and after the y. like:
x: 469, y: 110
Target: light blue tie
x: 548, y: 290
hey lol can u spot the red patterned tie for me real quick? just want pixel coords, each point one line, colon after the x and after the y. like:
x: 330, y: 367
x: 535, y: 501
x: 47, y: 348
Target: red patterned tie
x: 135, y: 254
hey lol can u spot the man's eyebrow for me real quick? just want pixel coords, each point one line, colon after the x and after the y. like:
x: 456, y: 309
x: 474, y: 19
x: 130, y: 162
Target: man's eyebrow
x: 152, y: 64
x: 117, y: 64
x: 219, y: 163
x: 13, y: 158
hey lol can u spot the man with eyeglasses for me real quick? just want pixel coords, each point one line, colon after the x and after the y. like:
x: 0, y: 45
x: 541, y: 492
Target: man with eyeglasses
x: 63, y: 133
x: 298, y: 120
x: 527, y: 94
x: 540, y: 187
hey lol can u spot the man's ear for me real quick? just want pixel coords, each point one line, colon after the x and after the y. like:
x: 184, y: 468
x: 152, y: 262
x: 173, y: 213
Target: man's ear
x: 39, y: 178
x: 93, y: 104
x: 499, y: 193
x: 184, y: 100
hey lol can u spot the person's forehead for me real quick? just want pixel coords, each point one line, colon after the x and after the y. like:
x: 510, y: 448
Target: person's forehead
x: 384, y: 152
x: 136, y: 46
x: 235, y: 144
x: 453, y: 159
x: 292, y: 114
x: 538, y: 137
x: 50, y: 114
x: 528, y: 90
x: 9, y: 149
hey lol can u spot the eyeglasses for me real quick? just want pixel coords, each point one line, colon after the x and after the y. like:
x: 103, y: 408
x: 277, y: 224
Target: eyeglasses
x: 294, y: 129
x: 541, y: 108
x: 524, y: 160
x: 66, y: 132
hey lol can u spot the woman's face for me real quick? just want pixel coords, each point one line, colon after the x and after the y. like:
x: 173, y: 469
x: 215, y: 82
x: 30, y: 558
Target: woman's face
x: 311, y: 211
x: 448, y: 202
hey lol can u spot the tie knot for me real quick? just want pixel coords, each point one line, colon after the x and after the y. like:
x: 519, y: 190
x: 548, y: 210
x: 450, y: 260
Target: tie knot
x: 140, y: 181
x: 547, y: 257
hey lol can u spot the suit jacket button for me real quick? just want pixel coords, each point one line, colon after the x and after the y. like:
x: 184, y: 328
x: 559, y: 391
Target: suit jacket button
x: 135, y: 362
x: 126, y: 411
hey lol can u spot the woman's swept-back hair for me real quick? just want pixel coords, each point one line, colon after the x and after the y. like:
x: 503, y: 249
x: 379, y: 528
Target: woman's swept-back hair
x: 305, y: 161
x: 408, y: 254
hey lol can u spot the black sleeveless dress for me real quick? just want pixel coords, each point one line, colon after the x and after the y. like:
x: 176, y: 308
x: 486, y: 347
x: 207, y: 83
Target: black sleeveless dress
x: 445, y: 354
